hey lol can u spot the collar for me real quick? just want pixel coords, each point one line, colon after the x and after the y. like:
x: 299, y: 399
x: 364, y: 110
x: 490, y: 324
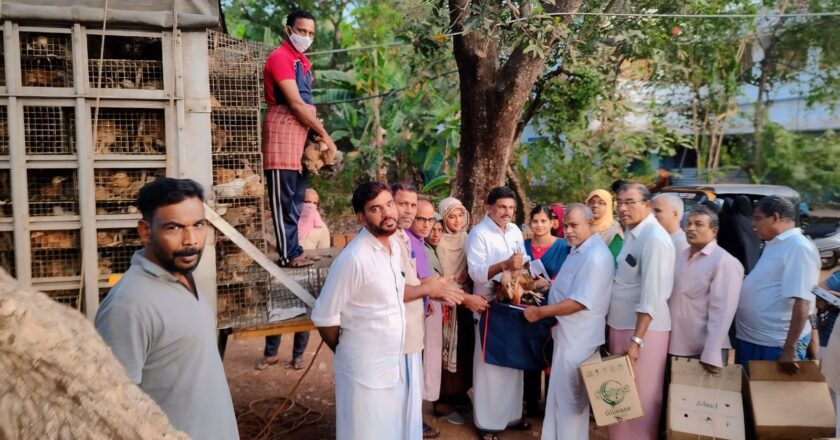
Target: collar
x: 493, y: 226
x: 152, y: 269
x: 787, y: 234
x: 641, y: 226
x: 586, y: 243
x: 297, y: 55
x: 414, y: 236
x: 708, y: 249
x: 364, y: 234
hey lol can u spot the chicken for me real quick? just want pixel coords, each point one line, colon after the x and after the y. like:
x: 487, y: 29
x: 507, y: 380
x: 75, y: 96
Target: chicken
x: 107, y: 134
x: 517, y: 287
x: 101, y: 193
x: 53, y: 191
x: 218, y: 137
x: 119, y: 184
x: 39, y: 77
x: 223, y: 175
x: 150, y: 137
x: 318, y: 155
x: 105, y: 266
x: 52, y: 240
x: 108, y: 239
x: 240, y: 215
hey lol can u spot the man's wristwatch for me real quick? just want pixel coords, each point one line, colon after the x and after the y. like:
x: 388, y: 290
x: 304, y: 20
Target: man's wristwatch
x: 639, y: 341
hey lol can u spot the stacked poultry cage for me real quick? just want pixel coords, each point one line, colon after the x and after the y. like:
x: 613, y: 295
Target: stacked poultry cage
x: 247, y: 294
x: 81, y: 130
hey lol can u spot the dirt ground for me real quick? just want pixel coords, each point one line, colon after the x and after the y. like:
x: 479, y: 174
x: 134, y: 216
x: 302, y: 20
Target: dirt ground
x: 317, y: 391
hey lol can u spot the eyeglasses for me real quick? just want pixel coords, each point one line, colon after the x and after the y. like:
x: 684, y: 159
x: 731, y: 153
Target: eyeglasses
x: 424, y: 219
x: 628, y: 202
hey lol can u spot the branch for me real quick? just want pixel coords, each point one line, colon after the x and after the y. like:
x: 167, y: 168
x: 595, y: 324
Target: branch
x: 536, y: 102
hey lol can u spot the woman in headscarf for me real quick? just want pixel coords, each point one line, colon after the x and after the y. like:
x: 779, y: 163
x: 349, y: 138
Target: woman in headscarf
x: 458, y: 334
x: 601, y: 203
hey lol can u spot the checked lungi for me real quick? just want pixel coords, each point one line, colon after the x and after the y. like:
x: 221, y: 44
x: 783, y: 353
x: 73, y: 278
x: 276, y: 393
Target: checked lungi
x: 282, y: 145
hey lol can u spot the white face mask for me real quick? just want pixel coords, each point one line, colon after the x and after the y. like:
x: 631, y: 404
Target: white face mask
x: 299, y: 42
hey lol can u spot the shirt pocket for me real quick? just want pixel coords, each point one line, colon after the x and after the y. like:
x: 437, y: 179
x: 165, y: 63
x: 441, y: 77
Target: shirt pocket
x: 625, y: 272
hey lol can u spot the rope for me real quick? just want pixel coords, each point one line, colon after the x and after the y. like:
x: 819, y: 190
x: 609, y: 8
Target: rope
x: 259, y: 422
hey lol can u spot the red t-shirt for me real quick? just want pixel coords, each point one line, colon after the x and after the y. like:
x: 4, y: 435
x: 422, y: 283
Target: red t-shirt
x: 286, y: 63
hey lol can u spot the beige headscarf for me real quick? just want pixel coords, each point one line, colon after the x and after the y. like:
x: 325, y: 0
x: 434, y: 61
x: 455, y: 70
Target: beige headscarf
x: 452, y: 250
x: 606, y: 226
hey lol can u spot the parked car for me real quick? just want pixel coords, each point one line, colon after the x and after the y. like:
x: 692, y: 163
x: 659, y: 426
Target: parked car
x: 736, y: 235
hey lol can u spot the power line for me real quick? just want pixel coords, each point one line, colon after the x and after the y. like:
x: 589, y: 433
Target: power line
x: 596, y: 14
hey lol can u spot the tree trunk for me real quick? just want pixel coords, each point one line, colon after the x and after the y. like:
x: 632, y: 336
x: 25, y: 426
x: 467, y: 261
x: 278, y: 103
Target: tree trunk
x: 492, y: 98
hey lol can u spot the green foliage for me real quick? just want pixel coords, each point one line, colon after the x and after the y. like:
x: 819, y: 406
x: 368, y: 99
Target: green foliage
x: 804, y: 162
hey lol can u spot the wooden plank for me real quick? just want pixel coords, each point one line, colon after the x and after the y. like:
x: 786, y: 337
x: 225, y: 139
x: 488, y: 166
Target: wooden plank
x: 277, y: 328
x: 260, y: 258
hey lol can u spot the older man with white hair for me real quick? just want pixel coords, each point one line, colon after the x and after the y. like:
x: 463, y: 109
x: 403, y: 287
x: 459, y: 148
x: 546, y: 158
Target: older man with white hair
x: 668, y: 209
x: 579, y: 299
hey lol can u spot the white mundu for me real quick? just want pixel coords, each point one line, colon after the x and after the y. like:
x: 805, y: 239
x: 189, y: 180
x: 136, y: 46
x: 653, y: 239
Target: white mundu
x: 586, y: 278
x: 363, y: 294
x: 497, y: 399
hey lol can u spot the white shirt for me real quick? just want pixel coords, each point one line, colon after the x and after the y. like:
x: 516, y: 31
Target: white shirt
x: 788, y: 268
x: 646, y: 286
x: 486, y: 246
x: 363, y: 294
x: 680, y: 242
x: 585, y: 277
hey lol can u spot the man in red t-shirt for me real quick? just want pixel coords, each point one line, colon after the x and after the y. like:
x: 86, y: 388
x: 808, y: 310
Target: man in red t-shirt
x: 287, y: 78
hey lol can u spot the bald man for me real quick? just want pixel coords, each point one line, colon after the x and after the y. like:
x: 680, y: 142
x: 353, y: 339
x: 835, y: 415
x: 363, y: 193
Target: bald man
x: 668, y: 209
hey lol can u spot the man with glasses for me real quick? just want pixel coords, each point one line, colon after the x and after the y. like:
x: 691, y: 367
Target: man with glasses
x: 772, y: 318
x: 494, y: 245
x: 639, y: 320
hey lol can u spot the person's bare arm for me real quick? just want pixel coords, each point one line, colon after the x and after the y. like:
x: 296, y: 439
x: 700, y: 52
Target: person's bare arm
x: 515, y: 262
x: 302, y: 111
x: 330, y: 336
x: 563, y: 308
x: 787, y: 360
x: 441, y: 289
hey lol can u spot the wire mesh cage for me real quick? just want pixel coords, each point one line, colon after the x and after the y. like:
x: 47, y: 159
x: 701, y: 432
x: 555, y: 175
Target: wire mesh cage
x: 49, y: 129
x: 245, y: 216
x: 235, y: 130
x: 7, y: 252
x: 128, y: 62
x: 237, y: 176
x: 242, y: 306
x: 115, y: 248
x: 46, y: 59
x: 55, y: 254
x: 310, y: 278
x: 130, y: 131
x: 116, y: 189
x: 52, y: 192
x: 5, y: 193
x: 4, y: 129
x: 69, y: 297
x: 236, y: 88
x: 236, y: 267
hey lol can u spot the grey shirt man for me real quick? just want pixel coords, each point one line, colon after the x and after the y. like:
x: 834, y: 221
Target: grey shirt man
x: 165, y: 338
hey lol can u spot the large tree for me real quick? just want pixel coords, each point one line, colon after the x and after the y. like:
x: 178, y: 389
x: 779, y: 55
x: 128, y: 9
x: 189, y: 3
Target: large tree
x: 500, y: 48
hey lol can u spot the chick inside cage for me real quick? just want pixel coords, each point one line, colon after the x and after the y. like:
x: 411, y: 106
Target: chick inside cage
x: 49, y: 129
x: 129, y: 131
x: 55, y: 254
x: 115, y: 248
x: 5, y: 193
x: 7, y: 252
x: 116, y: 189
x: 52, y: 192
x: 129, y: 62
x: 4, y: 129
x: 46, y: 59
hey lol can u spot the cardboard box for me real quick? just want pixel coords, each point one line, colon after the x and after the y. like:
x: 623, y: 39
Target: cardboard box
x: 611, y: 388
x: 790, y: 407
x: 702, y: 405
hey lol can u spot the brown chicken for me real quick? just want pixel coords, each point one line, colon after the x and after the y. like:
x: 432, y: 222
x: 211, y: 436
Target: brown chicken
x: 517, y: 287
x: 107, y: 134
x: 40, y: 77
x: 150, y: 137
x: 53, y: 191
x: 52, y: 240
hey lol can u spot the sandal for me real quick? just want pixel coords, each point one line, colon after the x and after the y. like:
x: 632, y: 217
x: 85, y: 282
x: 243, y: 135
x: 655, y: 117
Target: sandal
x: 297, y: 363
x: 429, y: 432
x: 522, y: 425
x: 487, y: 435
x: 266, y: 362
x: 299, y: 262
